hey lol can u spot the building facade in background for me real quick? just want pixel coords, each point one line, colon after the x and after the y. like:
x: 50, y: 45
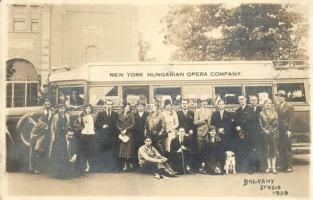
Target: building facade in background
x: 45, y: 38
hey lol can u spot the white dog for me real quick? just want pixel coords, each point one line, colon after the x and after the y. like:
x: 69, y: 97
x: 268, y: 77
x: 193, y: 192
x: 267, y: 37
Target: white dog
x: 230, y: 163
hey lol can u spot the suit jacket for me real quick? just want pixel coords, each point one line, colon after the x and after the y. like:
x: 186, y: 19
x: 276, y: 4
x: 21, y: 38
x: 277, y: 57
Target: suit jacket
x: 186, y: 121
x: 243, y: 118
x: 255, y: 124
x: 47, y: 118
x: 139, y: 128
x: 102, y: 118
x: 72, y: 148
x: 107, y: 136
x: 285, y: 117
x: 219, y: 122
x: 175, y: 144
x: 125, y: 121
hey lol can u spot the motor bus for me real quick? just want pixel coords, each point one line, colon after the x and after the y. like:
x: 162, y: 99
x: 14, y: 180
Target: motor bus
x: 94, y: 83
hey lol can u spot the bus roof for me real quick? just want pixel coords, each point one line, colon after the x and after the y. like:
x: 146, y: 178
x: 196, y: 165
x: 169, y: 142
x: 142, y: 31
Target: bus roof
x: 217, y: 70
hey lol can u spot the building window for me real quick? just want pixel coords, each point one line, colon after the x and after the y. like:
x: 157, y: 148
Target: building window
x: 228, y: 93
x: 25, y: 18
x: 34, y: 18
x: 19, y: 18
x: 295, y: 91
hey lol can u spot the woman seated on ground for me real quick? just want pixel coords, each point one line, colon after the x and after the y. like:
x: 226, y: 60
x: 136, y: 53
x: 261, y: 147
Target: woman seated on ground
x: 214, y: 148
x: 150, y: 160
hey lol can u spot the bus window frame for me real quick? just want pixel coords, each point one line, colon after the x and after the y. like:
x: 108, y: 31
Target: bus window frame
x: 69, y: 85
x: 105, y: 85
x: 175, y: 85
x: 255, y: 84
x: 233, y: 84
x: 204, y: 83
x: 302, y: 81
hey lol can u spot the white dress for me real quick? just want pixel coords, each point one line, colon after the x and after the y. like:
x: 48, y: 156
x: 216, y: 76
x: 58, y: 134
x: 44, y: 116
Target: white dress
x: 171, y: 124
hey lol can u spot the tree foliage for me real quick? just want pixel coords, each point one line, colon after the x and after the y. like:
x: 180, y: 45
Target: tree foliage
x: 245, y: 32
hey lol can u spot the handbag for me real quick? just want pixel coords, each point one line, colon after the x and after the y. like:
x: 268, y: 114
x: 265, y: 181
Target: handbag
x: 123, y: 138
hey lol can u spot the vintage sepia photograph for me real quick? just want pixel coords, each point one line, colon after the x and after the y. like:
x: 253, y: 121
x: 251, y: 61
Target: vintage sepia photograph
x: 155, y: 99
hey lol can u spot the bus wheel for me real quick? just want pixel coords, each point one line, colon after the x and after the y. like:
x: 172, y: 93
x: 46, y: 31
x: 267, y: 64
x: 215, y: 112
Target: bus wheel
x: 24, y: 128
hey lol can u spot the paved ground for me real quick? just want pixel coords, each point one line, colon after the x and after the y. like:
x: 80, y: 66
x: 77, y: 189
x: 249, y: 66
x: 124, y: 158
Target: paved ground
x: 134, y: 184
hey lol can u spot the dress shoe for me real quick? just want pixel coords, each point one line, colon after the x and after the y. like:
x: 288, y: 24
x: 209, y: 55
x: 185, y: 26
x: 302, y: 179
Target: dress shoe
x: 37, y: 172
x: 157, y: 176
x: 288, y: 170
x: 274, y: 171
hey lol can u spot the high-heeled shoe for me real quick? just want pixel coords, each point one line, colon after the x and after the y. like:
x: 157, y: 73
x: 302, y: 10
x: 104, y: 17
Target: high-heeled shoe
x: 274, y: 171
x: 125, y: 168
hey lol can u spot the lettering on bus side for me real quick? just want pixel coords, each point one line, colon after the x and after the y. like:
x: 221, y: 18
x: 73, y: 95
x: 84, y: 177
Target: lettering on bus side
x: 116, y: 74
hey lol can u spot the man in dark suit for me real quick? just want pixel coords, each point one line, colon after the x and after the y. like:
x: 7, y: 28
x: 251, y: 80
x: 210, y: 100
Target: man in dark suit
x: 139, y: 129
x: 74, y: 169
x: 256, y: 138
x: 285, y: 117
x: 40, y: 138
x: 243, y: 116
x: 180, y: 152
x: 222, y: 120
x: 107, y: 138
x: 186, y: 120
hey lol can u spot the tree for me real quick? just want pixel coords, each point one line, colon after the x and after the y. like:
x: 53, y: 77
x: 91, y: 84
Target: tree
x: 144, y: 47
x: 245, y: 32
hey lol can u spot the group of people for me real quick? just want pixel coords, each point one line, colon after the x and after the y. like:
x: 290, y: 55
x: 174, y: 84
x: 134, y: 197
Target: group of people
x: 162, y: 141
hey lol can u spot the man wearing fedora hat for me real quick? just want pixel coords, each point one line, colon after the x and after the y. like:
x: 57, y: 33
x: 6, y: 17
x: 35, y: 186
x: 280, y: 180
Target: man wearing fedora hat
x: 285, y: 117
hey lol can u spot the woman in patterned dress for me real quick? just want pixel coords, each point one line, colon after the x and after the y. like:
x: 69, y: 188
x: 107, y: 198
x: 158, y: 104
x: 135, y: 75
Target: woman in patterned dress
x: 125, y: 124
x: 269, y: 128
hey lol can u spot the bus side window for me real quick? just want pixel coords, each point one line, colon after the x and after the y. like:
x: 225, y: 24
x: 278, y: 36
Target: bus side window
x: 295, y: 91
x: 261, y: 92
x: 98, y: 94
x: 72, y: 97
x: 194, y: 93
x: 227, y: 93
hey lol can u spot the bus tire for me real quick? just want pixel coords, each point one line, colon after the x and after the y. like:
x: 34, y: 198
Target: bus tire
x: 22, y: 125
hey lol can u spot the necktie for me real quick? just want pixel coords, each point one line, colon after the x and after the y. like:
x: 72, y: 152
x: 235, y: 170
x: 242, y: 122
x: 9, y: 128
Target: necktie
x: 221, y: 112
x: 47, y: 114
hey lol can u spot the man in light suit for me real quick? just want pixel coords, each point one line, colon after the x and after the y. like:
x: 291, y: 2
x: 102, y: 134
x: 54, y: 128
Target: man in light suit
x: 285, y: 117
x: 201, y: 121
